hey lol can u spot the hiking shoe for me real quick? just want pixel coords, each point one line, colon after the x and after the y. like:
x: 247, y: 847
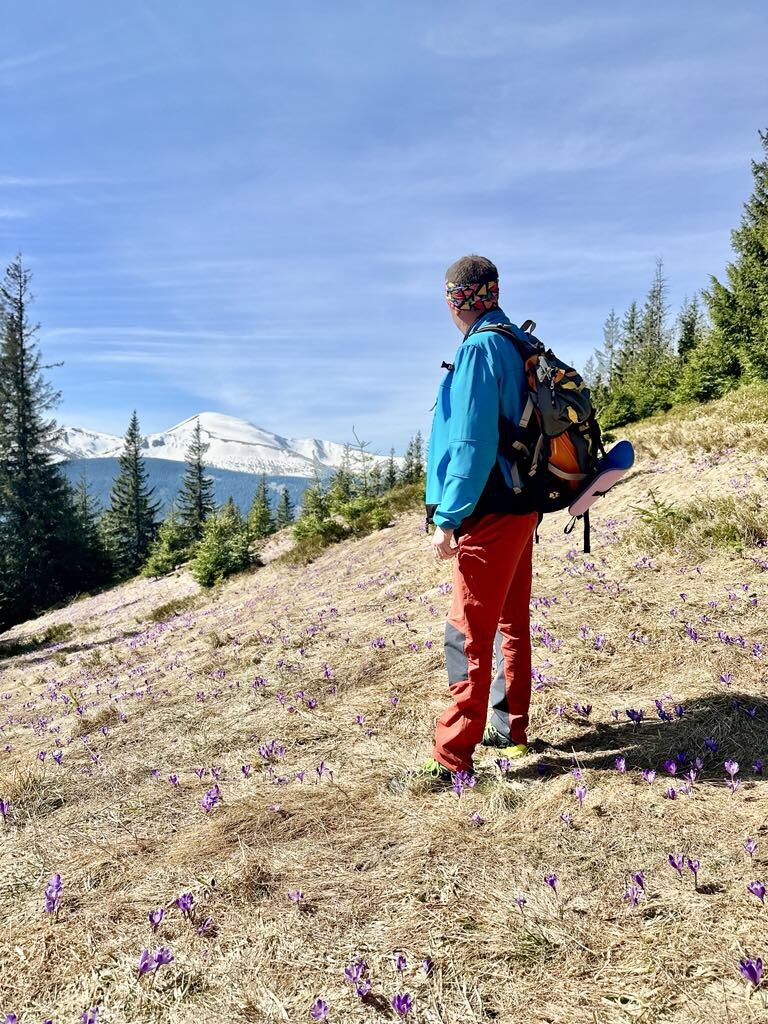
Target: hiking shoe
x: 429, y: 777
x: 493, y: 738
x: 515, y: 752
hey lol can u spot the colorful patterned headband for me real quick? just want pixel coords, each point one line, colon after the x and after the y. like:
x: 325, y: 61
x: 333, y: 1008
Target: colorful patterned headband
x: 473, y: 296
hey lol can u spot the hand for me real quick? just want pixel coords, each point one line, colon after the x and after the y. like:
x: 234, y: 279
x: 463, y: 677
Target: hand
x: 444, y: 544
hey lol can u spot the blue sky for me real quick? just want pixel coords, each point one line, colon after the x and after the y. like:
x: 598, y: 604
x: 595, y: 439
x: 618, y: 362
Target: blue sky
x: 248, y: 207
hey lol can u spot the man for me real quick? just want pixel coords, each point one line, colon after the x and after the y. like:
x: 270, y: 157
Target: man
x: 484, y: 528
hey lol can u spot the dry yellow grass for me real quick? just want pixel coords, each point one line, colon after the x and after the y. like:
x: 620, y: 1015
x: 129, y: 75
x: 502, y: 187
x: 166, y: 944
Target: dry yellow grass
x: 384, y: 873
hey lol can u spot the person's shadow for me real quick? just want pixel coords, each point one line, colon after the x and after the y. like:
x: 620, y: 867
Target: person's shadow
x: 733, y: 724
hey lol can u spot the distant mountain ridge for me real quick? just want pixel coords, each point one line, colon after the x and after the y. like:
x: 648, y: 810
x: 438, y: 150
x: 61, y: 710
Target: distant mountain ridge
x: 234, y: 444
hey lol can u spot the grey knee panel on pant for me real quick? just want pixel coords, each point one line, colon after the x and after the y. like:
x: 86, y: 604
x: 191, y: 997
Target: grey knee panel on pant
x: 455, y: 655
x: 500, y: 710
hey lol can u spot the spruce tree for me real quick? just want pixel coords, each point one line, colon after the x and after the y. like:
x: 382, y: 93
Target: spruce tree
x: 314, y: 500
x: 196, y: 500
x: 739, y: 308
x: 690, y: 327
x: 418, y: 456
x: 131, y: 520
x: 407, y: 471
x: 36, y: 563
x: 96, y: 567
x: 376, y: 480
x: 341, y: 486
x: 413, y: 463
x: 390, y: 477
x: 170, y: 548
x: 223, y: 549
x: 285, y: 514
x: 260, y: 521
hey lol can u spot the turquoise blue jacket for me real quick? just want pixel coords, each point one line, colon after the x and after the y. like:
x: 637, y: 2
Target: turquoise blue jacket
x: 487, y: 380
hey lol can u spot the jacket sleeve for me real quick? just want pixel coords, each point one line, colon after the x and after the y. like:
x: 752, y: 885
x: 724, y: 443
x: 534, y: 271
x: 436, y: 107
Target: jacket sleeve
x: 474, y: 434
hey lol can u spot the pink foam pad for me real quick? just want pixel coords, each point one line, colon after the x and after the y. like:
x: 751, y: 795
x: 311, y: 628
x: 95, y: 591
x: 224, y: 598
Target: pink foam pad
x: 596, y: 489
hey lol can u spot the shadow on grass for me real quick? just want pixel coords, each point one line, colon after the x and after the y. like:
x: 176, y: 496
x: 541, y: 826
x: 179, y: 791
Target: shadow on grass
x: 736, y: 722
x: 14, y: 648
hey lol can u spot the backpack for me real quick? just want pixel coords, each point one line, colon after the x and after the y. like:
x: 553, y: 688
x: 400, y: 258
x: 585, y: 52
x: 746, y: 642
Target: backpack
x: 554, y: 448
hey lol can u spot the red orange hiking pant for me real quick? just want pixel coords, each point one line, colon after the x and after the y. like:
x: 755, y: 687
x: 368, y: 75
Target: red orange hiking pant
x: 490, y: 605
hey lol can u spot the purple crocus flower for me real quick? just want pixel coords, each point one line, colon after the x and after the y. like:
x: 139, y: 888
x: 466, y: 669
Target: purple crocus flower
x: 670, y: 793
x: 184, y: 902
x: 10, y: 1018
x: 711, y: 744
x: 670, y: 766
x: 402, y: 1004
x: 752, y: 971
x: 757, y: 767
x: 750, y: 845
x: 649, y: 775
x: 639, y: 879
x: 90, y: 1016
x: 676, y: 861
x: 476, y: 819
x: 757, y: 889
x: 319, y: 1010
x: 427, y: 965
x: 206, y: 927
x: 633, y: 895
x: 5, y: 809
x: 731, y: 767
x: 173, y: 778
x: 620, y: 764
x: 580, y: 792
x: 694, y: 867
x: 295, y: 896
x: 401, y: 964
x: 551, y: 881
x: 462, y: 781
x: 163, y: 955
x: 635, y: 715
x: 211, y: 798
x: 155, y: 917
x: 52, y: 896
x: 146, y: 962
x: 246, y: 770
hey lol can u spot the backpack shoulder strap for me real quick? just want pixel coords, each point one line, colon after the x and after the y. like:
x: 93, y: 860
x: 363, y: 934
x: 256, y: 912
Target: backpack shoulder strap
x: 525, y: 343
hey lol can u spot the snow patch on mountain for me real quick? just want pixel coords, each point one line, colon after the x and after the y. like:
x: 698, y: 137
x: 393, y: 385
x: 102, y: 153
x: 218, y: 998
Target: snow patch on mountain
x: 233, y: 443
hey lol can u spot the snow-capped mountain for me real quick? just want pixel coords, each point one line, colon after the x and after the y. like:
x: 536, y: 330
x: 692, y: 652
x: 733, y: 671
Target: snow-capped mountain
x: 232, y: 444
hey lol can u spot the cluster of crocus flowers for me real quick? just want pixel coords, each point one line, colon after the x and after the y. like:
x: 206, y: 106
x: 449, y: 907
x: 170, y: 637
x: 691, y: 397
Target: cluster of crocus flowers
x: 150, y: 962
x: 357, y: 975
x: 211, y: 798
x: 52, y: 895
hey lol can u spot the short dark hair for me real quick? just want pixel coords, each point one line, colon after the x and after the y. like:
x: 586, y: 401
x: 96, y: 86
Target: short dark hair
x: 471, y: 269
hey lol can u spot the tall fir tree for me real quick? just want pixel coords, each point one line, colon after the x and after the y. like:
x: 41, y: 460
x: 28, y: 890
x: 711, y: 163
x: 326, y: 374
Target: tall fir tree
x: 196, y: 500
x: 418, y: 456
x: 376, y: 480
x: 653, y: 334
x: 37, y: 562
x: 131, y: 520
x: 739, y: 308
x: 690, y: 327
x: 261, y: 522
x: 390, y: 477
x: 341, y: 486
x: 96, y: 568
x: 284, y: 514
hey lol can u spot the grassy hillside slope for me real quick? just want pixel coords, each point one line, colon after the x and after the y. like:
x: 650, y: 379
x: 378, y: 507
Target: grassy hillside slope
x: 301, y: 691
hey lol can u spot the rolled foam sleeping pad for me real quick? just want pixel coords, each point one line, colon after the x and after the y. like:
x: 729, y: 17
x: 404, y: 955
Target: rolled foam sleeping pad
x: 610, y: 469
